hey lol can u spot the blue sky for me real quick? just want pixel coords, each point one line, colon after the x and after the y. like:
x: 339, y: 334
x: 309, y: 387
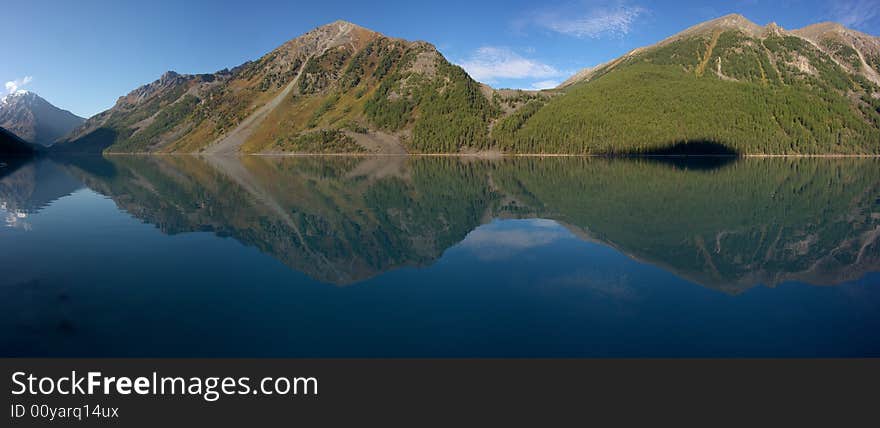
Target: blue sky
x: 82, y: 55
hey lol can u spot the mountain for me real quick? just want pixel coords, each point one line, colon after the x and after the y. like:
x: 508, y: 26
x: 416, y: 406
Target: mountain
x: 34, y: 119
x: 11, y: 144
x: 338, y: 88
x: 728, y: 84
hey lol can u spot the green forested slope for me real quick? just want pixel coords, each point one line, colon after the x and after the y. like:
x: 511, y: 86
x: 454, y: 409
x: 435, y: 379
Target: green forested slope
x: 776, y: 95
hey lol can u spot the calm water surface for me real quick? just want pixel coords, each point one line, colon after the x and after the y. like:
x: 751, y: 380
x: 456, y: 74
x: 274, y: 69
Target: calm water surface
x: 437, y: 257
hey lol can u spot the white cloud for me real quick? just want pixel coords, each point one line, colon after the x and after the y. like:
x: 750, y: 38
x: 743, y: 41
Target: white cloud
x: 606, y: 281
x: 13, y: 86
x: 545, y: 84
x: 586, y: 19
x: 513, y: 239
x: 490, y: 63
x: 855, y: 13
x: 497, y: 241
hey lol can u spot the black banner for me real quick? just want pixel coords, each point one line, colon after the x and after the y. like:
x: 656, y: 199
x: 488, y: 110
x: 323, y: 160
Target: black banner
x: 129, y: 392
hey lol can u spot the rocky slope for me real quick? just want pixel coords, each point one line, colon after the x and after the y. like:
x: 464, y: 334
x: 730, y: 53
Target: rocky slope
x: 34, y: 119
x: 338, y: 88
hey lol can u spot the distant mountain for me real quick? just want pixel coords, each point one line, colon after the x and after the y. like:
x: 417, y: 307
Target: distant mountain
x: 727, y: 83
x: 338, y: 88
x: 10, y: 144
x: 34, y: 119
x: 725, y: 86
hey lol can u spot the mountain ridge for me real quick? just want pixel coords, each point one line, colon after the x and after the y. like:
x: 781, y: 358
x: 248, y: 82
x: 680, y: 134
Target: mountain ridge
x: 739, y: 22
x: 272, y: 104
x: 343, y: 88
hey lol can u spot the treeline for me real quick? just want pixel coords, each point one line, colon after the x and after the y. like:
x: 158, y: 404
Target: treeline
x: 321, y: 141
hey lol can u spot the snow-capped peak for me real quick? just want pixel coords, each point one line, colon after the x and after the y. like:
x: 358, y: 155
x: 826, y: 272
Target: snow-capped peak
x: 17, y: 93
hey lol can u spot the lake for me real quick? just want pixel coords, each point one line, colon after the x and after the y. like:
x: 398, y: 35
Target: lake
x: 182, y: 256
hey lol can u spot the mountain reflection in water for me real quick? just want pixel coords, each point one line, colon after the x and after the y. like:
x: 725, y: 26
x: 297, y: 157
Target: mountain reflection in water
x: 529, y: 228
x: 342, y: 220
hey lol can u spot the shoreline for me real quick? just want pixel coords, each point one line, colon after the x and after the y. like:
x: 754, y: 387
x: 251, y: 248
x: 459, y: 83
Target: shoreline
x: 495, y: 155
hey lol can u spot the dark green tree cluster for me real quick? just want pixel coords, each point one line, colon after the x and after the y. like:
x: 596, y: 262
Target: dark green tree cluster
x: 453, y: 116
x: 448, y: 111
x: 847, y: 53
x: 317, y: 74
x: 322, y: 141
x: 166, y: 120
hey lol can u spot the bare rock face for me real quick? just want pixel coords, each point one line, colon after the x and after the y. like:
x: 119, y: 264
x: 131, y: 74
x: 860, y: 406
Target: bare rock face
x: 34, y: 119
x: 772, y: 29
x: 856, y: 51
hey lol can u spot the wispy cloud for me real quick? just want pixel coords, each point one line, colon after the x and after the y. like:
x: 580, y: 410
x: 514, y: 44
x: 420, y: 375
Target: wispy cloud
x: 589, y: 19
x: 605, y: 281
x: 490, y: 63
x: 13, y: 86
x: 545, y: 84
x: 855, y: 13
x: 499, y: 241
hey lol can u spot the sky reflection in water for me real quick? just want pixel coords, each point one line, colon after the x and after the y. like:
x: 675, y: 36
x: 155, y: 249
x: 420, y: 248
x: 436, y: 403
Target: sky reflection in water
x: 427, y: 257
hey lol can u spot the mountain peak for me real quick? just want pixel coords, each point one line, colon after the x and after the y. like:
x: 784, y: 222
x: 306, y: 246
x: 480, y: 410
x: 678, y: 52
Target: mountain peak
x: 733, y: 21
x: 336, y: 33
x: 34, y: 119
x: 341, y: 23
x: 734, y: 17
x: 836, y: 30
x: 340, y: 26
x: 827, y: 26
x: 169, y: 77
x: 21, y: 96
x: 774, y: 29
